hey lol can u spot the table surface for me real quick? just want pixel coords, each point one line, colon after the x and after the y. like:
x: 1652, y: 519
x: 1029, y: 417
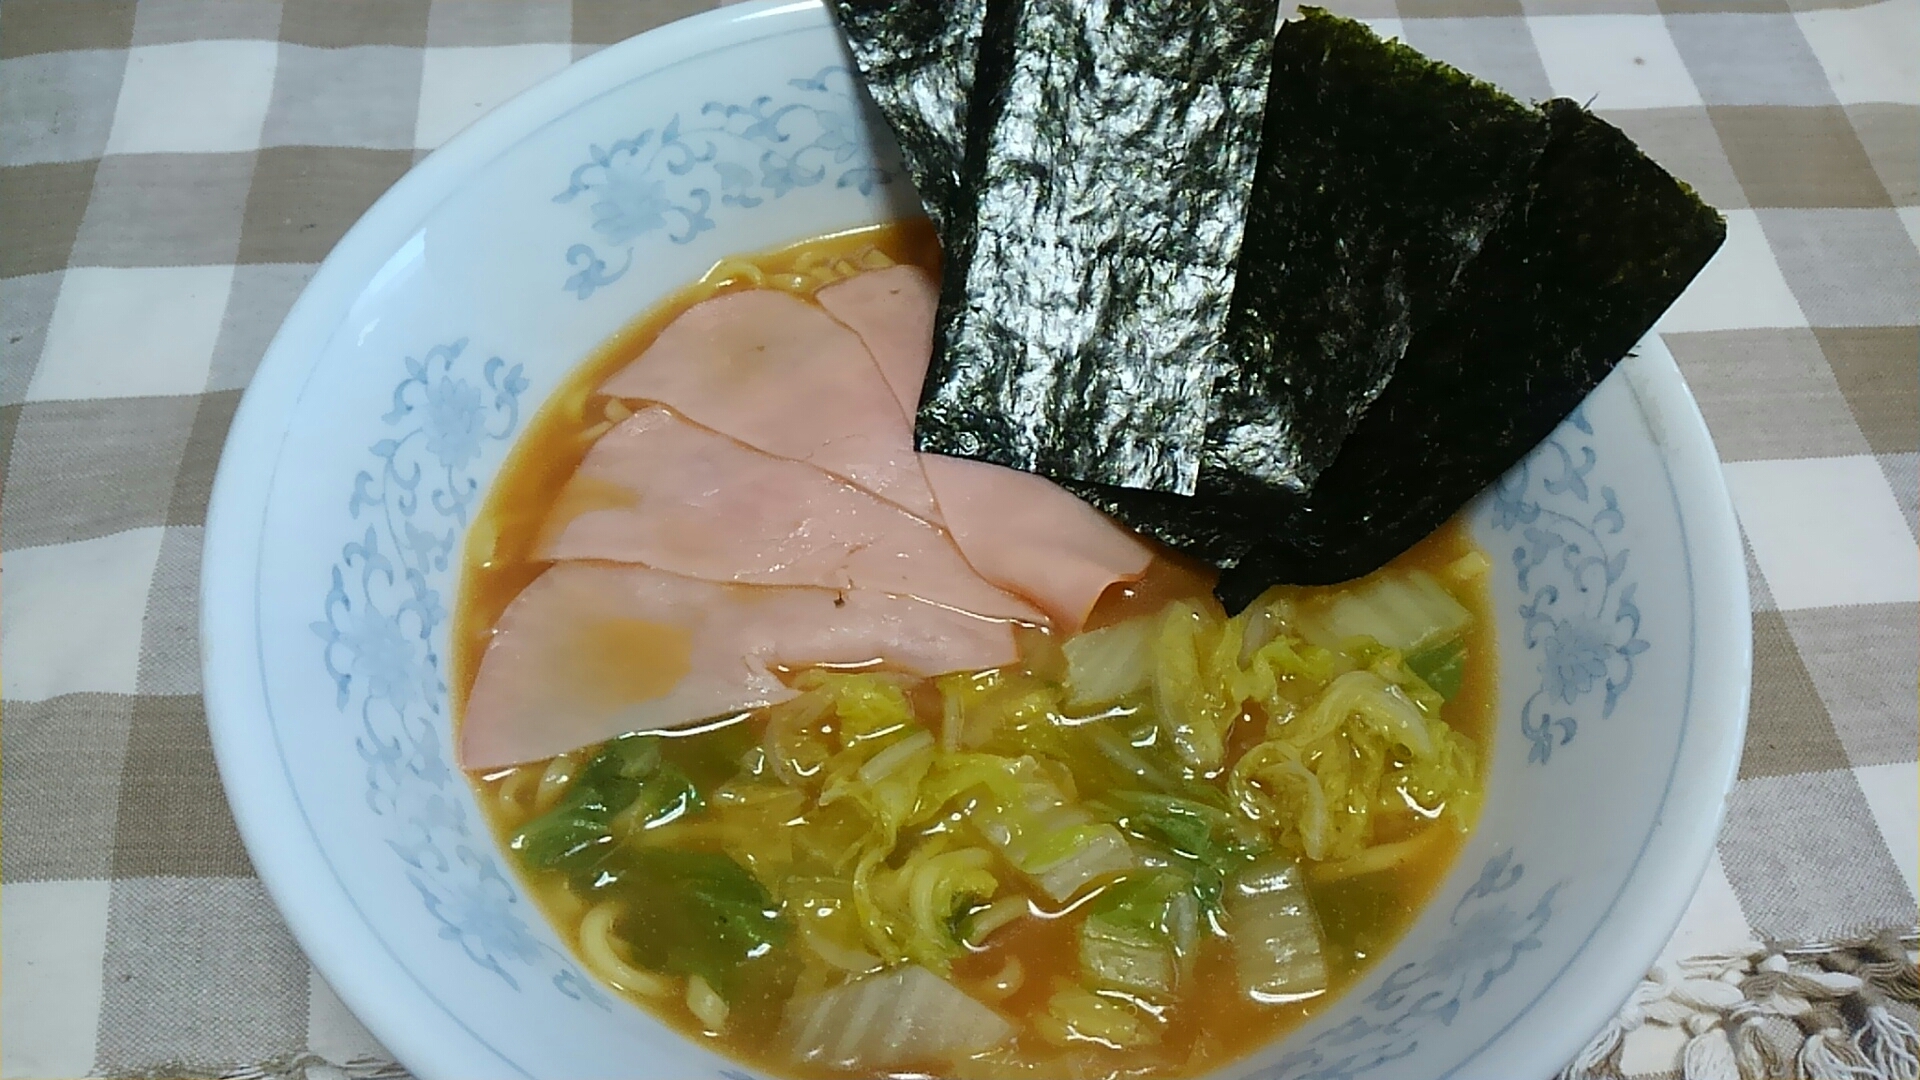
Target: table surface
x: 171, y: 172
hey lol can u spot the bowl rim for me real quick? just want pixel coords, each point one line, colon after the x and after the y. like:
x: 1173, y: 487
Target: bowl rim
x: 432, y: 1042
x: 1686, y: 830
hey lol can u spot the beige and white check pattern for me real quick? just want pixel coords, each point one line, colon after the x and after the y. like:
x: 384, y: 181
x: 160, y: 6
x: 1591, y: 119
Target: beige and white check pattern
x: 171, y: 171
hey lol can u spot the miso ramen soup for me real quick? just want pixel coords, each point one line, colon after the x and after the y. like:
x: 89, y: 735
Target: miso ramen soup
x: 1149, y: 842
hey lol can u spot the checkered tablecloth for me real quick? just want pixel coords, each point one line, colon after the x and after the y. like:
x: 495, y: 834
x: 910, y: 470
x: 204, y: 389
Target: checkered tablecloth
x: 171, y: 171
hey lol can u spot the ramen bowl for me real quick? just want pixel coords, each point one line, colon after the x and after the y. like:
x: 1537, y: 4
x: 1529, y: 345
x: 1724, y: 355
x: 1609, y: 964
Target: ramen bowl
x: 386, y: 404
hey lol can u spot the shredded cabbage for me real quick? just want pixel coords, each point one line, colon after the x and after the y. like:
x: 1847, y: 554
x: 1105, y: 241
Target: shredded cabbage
x: 1196, y: 659
x: 823, y: 912
x: 916, y: 911
x: 886, y: 788
x: 1273, y: 786
x: 1284, y: 674
x: 954, y: 775
x: 1353, y: 727
x: 980, y: 706
x: 794, y: 753
x: 869, y: 704
x: 1075, y: 1014
x: 981, y: 923
x: 1362, y: 747
x: 941, y: 889
x: 1056, y: 843
x: 1364, y: 699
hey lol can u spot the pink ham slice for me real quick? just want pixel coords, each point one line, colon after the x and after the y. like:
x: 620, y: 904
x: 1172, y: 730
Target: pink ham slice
x: 675, y: 496
x: 779, y: 374
x: 1032, y: 536
x: 1022, y: 532
x: 589, y: 651
x: 892, y: 310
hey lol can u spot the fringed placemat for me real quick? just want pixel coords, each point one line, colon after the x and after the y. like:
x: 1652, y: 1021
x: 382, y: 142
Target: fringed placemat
x: 1848, y: 1011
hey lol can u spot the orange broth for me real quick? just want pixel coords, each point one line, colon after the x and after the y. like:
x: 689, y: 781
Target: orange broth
x: 1214, y: 1023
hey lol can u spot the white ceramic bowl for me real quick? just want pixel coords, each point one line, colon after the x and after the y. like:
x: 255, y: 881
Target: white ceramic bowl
x: 386, y: 403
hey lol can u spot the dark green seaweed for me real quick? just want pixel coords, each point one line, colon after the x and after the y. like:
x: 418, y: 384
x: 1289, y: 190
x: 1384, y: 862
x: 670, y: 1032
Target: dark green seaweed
x: 1575, y: 273
x: 918, y: 62
x: 1080, y: 335
x: 1380, y: 175
x: 938, y: 72
x: 1581, y: 259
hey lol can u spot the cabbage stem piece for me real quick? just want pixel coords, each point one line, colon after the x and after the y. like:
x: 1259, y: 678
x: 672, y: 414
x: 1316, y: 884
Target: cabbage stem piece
x: 1405, y: 612
x: 1055, y: 843
x: 902, y: 1017
x: 1276, y: 935
x: 1123, y: 959
x: 1108, y: 664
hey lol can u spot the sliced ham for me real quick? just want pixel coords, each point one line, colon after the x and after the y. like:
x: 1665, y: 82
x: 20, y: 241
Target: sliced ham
x: 1028, y: 534
x: 892, y: 310
x: 769, y: 514
x: 589, y: 651
x: 781, y: 375
x: 675, y: 496
x: 1022, y: 532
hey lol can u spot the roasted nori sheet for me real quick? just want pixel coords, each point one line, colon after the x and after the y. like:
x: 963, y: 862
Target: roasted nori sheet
x: 1577, y: 270
x: 1380, y: 175
x: 938, y: 71
x: 918, y: 62
x: 1083, y: 326
x: 1595, y: 244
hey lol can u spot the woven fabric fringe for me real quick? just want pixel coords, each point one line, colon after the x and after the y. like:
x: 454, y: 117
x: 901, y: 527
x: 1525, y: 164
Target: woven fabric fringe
x: 1845, y: 1011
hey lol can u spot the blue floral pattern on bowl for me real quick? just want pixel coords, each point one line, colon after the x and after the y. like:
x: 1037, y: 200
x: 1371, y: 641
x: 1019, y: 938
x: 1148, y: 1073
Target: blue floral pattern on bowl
x: 382, y: 612
x: 1580, y: 615
x: 1489, y: 934
x: 666, y: 180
